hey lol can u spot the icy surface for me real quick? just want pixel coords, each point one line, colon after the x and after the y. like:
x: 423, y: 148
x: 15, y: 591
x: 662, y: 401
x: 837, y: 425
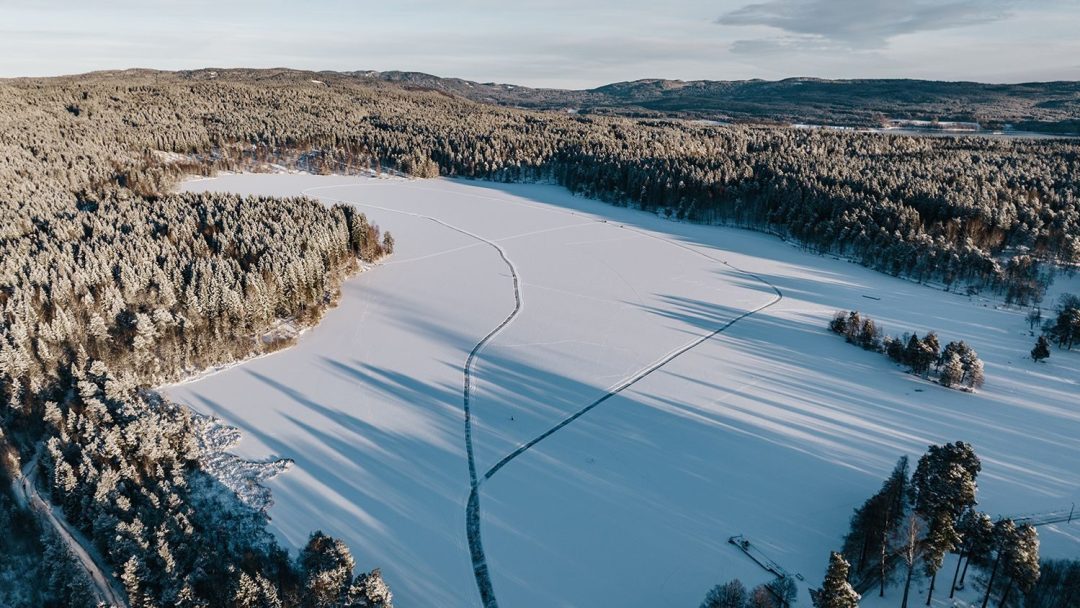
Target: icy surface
x: 775, y: 429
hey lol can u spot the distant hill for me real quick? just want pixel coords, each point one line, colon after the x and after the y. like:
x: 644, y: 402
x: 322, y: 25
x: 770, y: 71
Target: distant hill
x: 1045, y: 107
x: 1038, y: 106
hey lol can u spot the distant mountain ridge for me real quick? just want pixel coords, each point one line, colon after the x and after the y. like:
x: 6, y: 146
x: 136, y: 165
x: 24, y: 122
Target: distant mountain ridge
x: 1038, y: 106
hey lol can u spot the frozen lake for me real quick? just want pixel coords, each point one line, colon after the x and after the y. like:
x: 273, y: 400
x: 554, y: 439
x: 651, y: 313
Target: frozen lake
x: 774, y: 429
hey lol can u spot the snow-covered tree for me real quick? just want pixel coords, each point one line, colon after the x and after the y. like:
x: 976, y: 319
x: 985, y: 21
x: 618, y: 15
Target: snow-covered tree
x: 369, y: 590
x: 952, y: 371
x: 836, y: 591
x: 1004, y: 539
x: 943, y: 489
x: 1021, y: 561
x: 327, y: 567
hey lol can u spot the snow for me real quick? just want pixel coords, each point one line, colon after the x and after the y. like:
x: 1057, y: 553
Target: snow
x: 246, y: 479
x: 774, y: 429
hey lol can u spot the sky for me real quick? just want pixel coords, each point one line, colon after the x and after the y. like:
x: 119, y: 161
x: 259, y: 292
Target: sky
x: 555, y: 43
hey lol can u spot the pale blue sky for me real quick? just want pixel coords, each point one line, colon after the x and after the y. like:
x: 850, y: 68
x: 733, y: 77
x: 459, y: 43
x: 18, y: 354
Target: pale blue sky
x: 555, y: 42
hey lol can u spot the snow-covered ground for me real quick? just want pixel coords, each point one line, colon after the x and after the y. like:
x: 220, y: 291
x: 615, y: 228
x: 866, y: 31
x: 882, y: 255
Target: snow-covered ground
x: 774, y: 429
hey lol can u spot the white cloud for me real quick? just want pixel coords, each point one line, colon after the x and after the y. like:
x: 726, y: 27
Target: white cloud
x: 856, y: 24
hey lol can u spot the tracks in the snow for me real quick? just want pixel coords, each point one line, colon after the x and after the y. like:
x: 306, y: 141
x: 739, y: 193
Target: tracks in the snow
x: 472, y: 510
x: 104, y: 586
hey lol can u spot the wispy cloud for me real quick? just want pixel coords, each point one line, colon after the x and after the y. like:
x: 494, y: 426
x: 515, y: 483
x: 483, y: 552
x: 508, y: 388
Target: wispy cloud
x: 855, y: 24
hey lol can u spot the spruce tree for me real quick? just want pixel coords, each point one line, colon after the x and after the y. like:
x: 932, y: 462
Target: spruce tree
x: 836, y: 591
x: 952, y: 372
x: 369, y: 590
x: 327, y: 566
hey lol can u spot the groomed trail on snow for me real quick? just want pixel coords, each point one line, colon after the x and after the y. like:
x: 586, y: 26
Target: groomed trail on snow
x: 472, y: 510
x: 106, y: 588
x: 727, y: 407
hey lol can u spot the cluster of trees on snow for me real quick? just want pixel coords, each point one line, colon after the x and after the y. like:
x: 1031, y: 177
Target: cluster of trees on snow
x: 956, y: 210
x: 908, y: 527
x: 957, y: 365
x: 160, y: 288
x: 778, y: 593
x: 1063, y: 329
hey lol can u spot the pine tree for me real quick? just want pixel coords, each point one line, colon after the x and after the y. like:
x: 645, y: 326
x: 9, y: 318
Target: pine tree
x: 931, y: 347
x: 1021, y: 561
x: 853, y: 327
x: 874, y: 523
x: 870, y: 335
x: 976, y: 531
x: 839, y: 323
x: 943, y: 489
x: 836, y: 591
x: 912, y: 353
x: 973, y: 372
x: 1003, y: 539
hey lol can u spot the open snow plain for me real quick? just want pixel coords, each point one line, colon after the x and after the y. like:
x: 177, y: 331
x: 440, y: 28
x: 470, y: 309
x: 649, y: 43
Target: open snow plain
x: 773, y: 428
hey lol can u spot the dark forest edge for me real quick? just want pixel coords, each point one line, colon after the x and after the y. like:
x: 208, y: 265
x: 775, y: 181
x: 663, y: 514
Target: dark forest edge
x: 110, y: 284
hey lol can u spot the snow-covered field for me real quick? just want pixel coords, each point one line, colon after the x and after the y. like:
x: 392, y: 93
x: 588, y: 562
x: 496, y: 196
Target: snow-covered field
x: 774, y: 429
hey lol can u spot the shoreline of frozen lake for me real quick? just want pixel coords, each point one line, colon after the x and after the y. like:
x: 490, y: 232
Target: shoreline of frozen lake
x: 775, y: 429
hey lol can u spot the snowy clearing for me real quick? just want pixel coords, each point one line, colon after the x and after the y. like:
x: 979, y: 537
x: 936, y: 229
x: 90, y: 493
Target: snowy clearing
x: 775, y: 428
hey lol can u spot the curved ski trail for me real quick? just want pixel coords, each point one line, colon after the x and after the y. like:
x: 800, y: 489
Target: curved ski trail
x: 472, y: 511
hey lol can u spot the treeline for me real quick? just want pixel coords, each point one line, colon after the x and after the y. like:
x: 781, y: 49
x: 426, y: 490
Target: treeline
x: 908, y: 527
x: 955, y: 366
x: 957, y: 210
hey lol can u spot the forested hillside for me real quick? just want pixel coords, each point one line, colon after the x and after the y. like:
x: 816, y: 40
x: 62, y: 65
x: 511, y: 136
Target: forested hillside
x: 1049, y: 107
x: 109, y: 284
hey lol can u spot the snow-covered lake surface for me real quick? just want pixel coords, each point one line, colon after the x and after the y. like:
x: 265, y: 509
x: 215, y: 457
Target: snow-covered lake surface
x: 774, y: 429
